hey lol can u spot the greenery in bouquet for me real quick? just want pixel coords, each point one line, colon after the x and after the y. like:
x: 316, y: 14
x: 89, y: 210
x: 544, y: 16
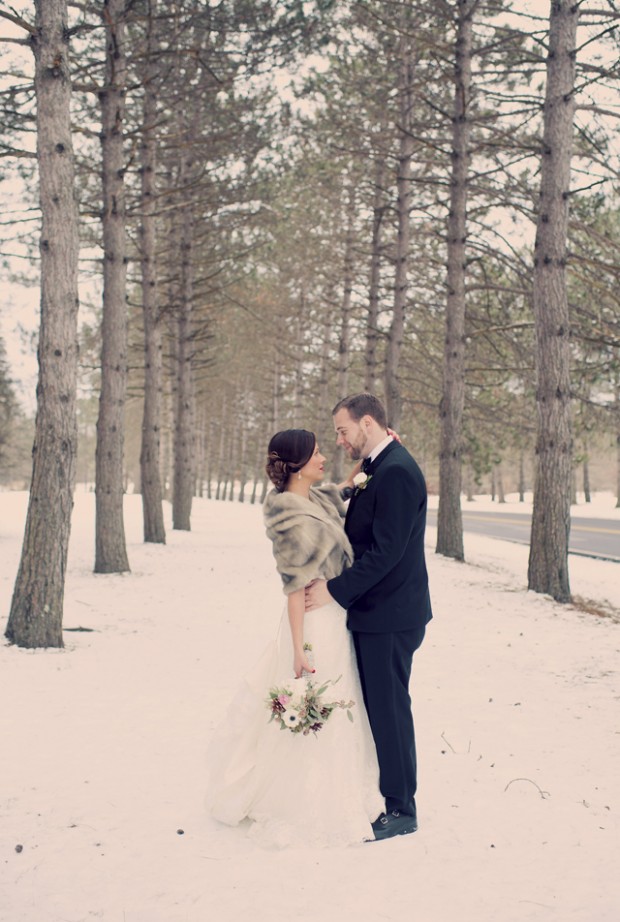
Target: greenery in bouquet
x: 304, y: 710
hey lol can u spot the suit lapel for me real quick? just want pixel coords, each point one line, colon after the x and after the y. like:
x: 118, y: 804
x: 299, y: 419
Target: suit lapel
x: 373, y: 467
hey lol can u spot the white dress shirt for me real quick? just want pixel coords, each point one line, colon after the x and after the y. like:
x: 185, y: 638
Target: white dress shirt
x: 379, y: 448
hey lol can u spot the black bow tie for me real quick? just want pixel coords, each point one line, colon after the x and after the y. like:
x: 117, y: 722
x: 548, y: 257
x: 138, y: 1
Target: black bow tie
x: 366, y: 465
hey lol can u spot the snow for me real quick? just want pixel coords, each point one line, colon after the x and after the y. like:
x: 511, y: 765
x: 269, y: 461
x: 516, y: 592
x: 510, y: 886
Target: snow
x: 103, y: 743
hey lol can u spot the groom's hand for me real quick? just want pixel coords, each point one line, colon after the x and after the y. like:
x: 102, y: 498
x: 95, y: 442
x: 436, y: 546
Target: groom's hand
x: 317, y: 594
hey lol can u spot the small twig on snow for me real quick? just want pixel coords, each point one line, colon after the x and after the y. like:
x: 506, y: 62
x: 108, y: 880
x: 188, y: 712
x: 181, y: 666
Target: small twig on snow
x: 447, y: 743
x: 542, y: 793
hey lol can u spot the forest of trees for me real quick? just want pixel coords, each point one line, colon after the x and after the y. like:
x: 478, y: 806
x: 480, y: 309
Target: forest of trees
x: 259, y: 207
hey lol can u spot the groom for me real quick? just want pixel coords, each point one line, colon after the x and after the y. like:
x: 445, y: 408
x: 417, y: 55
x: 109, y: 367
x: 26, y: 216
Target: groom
x: 386, y: 595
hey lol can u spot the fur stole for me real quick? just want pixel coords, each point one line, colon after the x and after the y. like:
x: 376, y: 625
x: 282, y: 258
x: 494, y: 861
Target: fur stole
x: 308, y: 535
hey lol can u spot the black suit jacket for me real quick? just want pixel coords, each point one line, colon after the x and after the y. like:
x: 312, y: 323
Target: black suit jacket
x: 386, y: 589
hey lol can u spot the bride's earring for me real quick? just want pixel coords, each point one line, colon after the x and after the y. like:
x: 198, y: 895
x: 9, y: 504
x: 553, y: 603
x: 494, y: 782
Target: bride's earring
x: 299, y: 476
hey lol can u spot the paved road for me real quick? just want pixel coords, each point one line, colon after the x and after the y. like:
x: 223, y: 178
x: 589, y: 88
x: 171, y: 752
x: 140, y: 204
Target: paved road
x: 589, y: 537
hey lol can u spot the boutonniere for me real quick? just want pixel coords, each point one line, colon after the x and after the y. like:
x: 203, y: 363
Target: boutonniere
x: 361, y: 481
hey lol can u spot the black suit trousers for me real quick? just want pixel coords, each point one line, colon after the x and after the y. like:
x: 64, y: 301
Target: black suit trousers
x: 384, y: 662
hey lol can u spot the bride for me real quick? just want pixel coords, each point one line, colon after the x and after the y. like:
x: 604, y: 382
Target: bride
x: 319, y: 788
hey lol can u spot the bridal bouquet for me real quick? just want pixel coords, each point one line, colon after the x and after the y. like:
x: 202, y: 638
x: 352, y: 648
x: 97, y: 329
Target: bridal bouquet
x: 304, y: 711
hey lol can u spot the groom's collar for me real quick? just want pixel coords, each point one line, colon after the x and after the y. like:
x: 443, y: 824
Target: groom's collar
x: 374, y: 454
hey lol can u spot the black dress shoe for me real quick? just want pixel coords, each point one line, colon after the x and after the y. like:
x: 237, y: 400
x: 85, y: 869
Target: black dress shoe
x: 393, y: 824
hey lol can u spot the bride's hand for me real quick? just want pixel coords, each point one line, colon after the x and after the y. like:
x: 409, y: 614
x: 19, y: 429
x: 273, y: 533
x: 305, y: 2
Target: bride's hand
x: 394, y: 435
x: 301, y: 664
x: 349, y: 481
x: 355, y: 470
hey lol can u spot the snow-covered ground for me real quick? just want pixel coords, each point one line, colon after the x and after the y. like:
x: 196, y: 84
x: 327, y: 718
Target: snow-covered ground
x: 601, y: 506
x: 102, y: 744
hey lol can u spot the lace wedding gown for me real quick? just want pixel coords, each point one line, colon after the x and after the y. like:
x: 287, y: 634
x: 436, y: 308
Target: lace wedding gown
x: 318, y: 789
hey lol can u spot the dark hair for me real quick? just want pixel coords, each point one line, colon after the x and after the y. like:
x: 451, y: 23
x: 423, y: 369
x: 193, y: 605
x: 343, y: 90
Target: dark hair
x: 360, y: 405
x: 287, y: 453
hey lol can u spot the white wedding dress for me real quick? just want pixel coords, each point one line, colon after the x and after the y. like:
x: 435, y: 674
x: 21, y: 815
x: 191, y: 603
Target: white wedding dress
x: 319, y: 790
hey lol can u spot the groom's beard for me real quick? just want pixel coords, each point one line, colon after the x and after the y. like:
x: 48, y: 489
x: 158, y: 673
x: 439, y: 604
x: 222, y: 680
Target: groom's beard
x: 358, y: 447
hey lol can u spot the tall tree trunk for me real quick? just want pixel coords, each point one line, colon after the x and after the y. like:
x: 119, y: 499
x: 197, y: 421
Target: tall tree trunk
x: 469, y: 485
x: 587, y: 496
x: 209, y: 459
x: 521, y: 486
x: 259, y: 469
x: 150, y: 474
x: 110, y: 549
x: 548, y: 562
x: 374, y: 284
x: 393, y: 393
x: 324, y: 429
x: 220, y: 453
x: 167, y: 434
x: 449, y: 516
x: 231, y: 463
x: 201, y: 450
x: 275, y: 399
x: 501, y: 495
x: 297, y: 325
x: 243, y: 462
x: 275, y: 422
x: 35, y: 618
x: 184, y: 424
x: 617, y: 418
x: 344, y: 338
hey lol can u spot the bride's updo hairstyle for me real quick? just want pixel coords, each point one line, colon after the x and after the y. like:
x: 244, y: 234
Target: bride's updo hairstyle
x: 287, y: 453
